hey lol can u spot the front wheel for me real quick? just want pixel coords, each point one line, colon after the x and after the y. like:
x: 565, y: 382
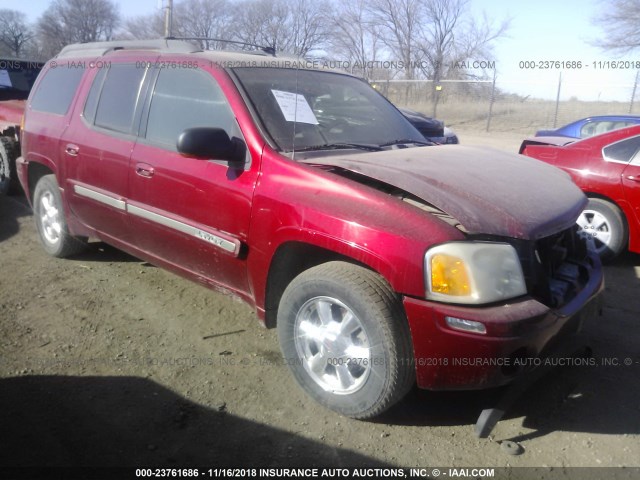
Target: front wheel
x: 50, y: 221
x: 603, y: 227
x: 343, y: 334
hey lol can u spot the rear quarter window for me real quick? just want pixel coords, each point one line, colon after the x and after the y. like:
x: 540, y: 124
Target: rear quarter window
x: 56, y: 90
x: 622, y: 151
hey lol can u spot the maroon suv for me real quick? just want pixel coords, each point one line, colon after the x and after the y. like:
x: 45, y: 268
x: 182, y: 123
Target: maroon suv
x: 303, y: 191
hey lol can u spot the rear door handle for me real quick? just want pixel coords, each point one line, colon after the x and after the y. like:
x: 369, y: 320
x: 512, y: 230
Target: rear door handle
x: 72, y: 150
x: 145, y: 170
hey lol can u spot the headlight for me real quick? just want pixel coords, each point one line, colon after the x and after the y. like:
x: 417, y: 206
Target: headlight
x: 473, y: 273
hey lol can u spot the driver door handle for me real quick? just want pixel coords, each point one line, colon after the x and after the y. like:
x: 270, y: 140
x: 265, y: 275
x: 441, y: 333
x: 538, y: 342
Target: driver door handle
x: 145, y: 170
x: 72, y: 150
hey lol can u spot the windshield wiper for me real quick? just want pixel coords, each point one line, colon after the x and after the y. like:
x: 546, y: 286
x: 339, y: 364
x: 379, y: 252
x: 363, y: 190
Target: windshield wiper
x: 336, y: 146
x: 402, y: 141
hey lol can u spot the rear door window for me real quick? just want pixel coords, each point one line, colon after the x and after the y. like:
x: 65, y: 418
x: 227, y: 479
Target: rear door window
x: 119, y: 97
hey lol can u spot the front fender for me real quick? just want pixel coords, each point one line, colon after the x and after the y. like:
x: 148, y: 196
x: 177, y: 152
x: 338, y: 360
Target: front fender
x: 299, y: 203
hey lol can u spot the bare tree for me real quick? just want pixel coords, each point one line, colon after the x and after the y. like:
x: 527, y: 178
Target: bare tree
x: 478, y: 38
x: 73, y: 21
x: 619, y: 19
x: 204, y: 19
x: 143, y: 27
x: 294, y: 26
x: 15, y: 32
x: 400, y: 23
x: 450, y: 37
x: 309, y: 25
x: 263, y: 22
x: 191, y: 18
x: 438, y: 41
x: 354, y: 36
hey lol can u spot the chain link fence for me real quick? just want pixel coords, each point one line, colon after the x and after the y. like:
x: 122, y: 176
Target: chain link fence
x: 518, y: 107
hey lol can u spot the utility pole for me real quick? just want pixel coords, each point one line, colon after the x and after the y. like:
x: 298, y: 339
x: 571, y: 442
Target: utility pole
x: 168, y: 19
x: 555, y: 116
x: 633, y: 93
x: 492, y: 99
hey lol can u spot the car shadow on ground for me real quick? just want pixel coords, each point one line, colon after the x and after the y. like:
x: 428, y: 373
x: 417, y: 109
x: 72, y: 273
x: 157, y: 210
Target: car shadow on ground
x: 12, y: 208
x: 594, y: 395
x: 577, y: 398
x: 128, y: 421
x: 101, y: 252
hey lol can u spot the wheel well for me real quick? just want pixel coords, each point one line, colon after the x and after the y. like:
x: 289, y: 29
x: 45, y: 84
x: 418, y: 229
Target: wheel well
x: 36, y: 172
x: 9, y: 132
x: 609, y: 200
x: 622, y: 214
x: 289, y: 261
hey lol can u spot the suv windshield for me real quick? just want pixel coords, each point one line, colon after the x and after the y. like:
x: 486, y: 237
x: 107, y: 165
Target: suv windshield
x: 17, y: 77
x: 315, y: 110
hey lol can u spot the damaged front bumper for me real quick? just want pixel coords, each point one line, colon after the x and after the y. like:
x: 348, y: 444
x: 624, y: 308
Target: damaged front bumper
x: 518, y: 338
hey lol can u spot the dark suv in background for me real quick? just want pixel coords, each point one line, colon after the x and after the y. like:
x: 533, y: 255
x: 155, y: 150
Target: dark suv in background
x: 381, y: 261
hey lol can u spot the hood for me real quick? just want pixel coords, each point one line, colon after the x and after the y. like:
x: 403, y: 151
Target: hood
x: 488, y: 191
x: 427, y: 126
x: 11, y: 110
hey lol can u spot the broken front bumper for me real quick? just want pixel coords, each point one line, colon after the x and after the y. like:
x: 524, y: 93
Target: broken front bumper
x: 519, y: 337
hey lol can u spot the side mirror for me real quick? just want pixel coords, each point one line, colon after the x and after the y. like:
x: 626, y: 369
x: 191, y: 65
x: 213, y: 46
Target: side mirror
x: 211, y: 143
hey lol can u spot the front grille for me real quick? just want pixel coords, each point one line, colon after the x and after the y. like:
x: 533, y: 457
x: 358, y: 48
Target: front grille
x: 555, y: 267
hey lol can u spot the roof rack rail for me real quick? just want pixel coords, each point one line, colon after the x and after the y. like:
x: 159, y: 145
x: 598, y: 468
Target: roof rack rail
x: 268, y: 50
x: 96, y: 49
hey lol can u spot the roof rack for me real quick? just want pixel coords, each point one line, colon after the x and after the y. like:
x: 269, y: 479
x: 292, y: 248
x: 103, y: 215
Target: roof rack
x: 268, y: 50
x: 168, y: 44
x: 96, y: 49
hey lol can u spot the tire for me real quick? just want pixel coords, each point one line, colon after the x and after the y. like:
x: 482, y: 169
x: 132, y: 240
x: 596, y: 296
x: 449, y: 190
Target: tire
x: 358, y: 369
x: 603, y: 227
x: 48, y: 212
x: 8, y: 175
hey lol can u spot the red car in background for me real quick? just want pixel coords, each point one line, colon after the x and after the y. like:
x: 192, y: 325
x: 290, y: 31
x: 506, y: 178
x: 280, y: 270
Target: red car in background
x: 607, y: 169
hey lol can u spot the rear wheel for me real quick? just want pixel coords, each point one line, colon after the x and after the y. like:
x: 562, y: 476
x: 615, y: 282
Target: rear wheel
x: 343, y: 334
x: 603, y: 227
x: 52, y: 228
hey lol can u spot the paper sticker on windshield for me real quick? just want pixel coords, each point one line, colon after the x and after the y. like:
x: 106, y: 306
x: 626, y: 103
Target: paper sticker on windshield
x: 294, y: 107
x: 5, y: 81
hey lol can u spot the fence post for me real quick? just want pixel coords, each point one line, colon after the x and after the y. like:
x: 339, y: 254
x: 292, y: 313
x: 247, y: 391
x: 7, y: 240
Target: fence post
x: 436, y: 88
x: 633, y: 92
x: 555, y: 115
x: 492, y: 100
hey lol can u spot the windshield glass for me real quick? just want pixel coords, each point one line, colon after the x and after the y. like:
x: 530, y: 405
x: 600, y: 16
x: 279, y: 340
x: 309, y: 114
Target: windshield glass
x: 310, y: 110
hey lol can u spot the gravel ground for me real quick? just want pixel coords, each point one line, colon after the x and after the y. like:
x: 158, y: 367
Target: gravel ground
x: 106, y: 360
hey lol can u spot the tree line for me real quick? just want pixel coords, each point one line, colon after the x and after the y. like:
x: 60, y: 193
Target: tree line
x: 427, y: 37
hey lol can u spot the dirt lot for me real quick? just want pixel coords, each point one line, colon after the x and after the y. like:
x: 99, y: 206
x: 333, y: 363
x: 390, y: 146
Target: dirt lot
x: 107, y: 360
